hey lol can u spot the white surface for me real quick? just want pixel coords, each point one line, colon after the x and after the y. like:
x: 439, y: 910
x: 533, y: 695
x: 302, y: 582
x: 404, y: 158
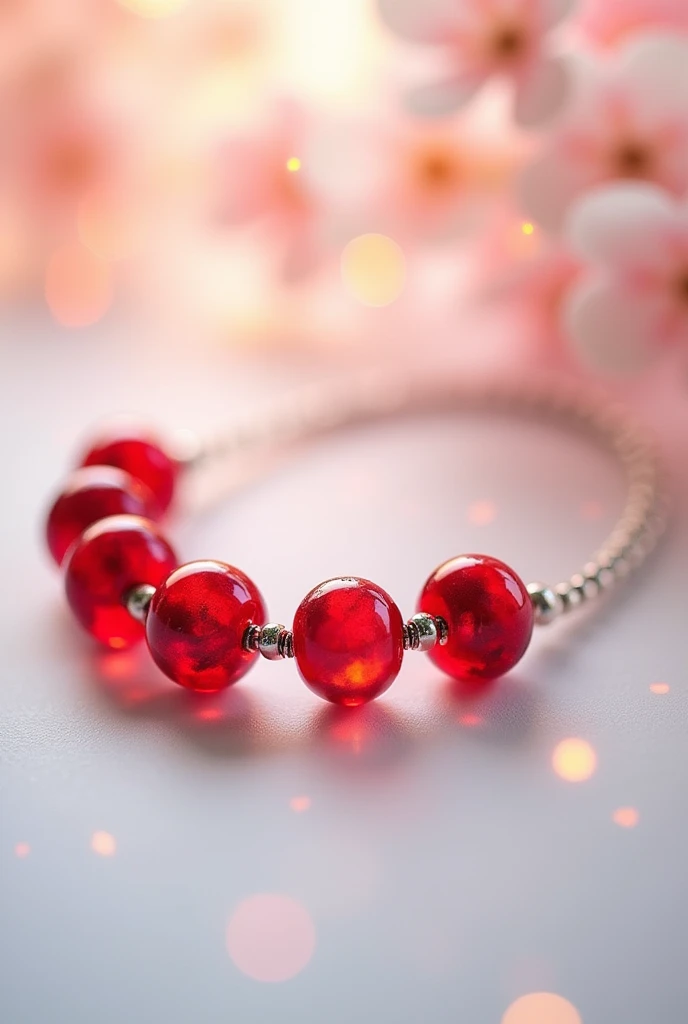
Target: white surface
x: 446, y: 868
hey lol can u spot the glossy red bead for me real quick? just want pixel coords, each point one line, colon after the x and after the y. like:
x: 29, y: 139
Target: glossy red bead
x: 348, y: 640
x: 197, y: 621
x: 110, y: 558
x: 90, y: 494
x: 140, y: 456
x: 489, y: 614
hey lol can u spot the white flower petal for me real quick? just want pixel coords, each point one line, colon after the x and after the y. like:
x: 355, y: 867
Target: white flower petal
x: 419, y: 21
x: 622, y: 224
x: 441, y: 98
x: 610, y: 328
x: 546, y: 188
x: 542, y: 94
x: 554, y: 11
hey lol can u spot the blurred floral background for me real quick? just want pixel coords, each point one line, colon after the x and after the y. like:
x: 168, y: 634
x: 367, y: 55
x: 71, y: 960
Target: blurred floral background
x: 356, y: 175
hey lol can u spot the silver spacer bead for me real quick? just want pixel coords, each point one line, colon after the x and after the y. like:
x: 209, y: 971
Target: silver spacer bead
x: 547, y: 604
x: 137, y: 601
x: 423, y: 631
x: 273, y: 641
x: 269, y: 641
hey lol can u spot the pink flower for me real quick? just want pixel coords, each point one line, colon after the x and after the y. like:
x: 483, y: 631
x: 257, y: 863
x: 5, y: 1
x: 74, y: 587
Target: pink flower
x: 263, y: 178
x: 606, y: 22
x: 628, y: 118
x: 66, y: 152
x: 481, y: 39
x: 632, y: 303
x: 421, y: 182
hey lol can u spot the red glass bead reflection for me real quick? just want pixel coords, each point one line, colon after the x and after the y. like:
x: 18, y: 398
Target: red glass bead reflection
x: 143, y: 458
x: 348, y: 640
x: 110, y: 558
x: 90, y: 494
x: 489, y: 614
x: 196, y: 624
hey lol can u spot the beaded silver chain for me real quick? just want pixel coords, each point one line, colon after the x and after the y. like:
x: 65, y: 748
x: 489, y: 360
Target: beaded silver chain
x: 327, y: 407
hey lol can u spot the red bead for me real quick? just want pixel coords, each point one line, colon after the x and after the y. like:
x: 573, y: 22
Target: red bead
x: 489, y: 614
x: 348, y: 640
x: 143, y: 458
x: 91, y: 494
x: 197, y: 621
x: 110, y: 558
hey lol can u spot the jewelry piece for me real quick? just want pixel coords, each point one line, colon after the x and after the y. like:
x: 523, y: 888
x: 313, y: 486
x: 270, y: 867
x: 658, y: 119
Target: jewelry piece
x: 205, y: 622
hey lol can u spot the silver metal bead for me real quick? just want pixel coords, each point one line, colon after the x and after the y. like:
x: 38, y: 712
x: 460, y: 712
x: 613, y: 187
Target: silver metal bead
x: 423, y: 631
x: 426, y: 631
x: 270, y: 642
x: 137, y: 601
x: 547, y: 605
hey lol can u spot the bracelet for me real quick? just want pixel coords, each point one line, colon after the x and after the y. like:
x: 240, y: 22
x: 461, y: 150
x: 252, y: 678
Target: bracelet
x: 205, y: 622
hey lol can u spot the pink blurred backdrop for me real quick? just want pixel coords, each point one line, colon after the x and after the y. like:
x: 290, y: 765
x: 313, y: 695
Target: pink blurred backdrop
x: 353, y: 176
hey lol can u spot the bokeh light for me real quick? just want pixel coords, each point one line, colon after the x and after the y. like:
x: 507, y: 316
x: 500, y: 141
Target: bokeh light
x: 104, y: 844
x: 22, y: 851
x: 574, y: 760
x: 626, y: 817
x: 293, y: 164
x: 659, y: 688
x: 542, y: 1008
x: 373, y: 269
x: 480, y: 513
x: 300, y: 804
x: 270, y: 937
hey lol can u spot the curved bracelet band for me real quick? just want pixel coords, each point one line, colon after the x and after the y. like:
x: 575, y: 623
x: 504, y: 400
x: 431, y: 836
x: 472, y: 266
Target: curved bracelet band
x: 205, y: 621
